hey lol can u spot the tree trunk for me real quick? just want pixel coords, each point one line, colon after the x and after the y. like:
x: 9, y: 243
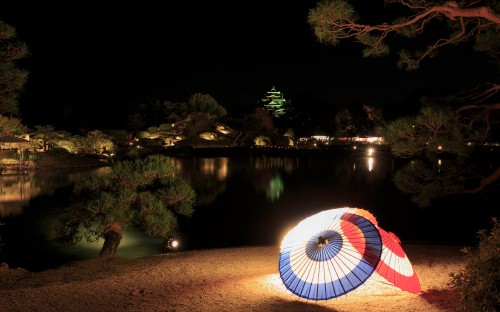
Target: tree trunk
x: 112, y: 238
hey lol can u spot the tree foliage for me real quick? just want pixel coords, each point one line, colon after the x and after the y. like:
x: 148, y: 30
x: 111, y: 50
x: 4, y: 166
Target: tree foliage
x: 97, y: 142
x: 12, y: 125
x: 479, y: 282
x: 144, y: 193
x: 435, y: 129
x: 441, y: 149
x: 44, y: 135
x: 459, y: 21
x: 157, y: 113
x: 259, y: 120
x: 12, y: 78
x: 205, y: 103
x: 446, y: 129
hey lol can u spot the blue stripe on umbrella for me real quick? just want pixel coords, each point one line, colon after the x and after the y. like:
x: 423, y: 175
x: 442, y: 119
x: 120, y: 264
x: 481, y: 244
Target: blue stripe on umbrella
x: 330, y: 260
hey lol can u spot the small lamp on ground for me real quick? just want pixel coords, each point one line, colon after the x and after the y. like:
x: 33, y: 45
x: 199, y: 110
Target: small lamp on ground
x: 171, y: 244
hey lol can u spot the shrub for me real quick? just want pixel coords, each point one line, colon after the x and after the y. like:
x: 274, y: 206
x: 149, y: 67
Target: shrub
x: 479, y: 282
x: 165, y: 127
x: 57, y: 150
x: 134, y: 153
x: 143, y: 134
x: 32, y: 156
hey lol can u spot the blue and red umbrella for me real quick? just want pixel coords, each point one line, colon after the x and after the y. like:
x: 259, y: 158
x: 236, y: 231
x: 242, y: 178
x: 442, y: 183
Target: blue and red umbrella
x: 335, y: 251
x: 329, y: 254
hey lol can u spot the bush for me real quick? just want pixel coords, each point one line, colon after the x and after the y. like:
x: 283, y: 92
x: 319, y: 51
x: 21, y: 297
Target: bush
x: 134, y: 153
x: 57, y: 150
x: 165, y: 127
x: 32, y: 156
x: 479, y: 282
x: 143, y: 134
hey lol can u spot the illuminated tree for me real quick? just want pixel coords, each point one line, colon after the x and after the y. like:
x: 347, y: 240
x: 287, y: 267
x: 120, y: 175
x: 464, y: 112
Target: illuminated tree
x: 144, y: 193
x: 291, y: 136
x: 45, y: 135
x: 445, y: 127
x: 12, y: 78
x: 11, y: 125
x: 99, y: 143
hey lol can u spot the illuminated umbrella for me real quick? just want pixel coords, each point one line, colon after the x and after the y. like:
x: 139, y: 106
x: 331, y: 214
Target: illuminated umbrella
x: 329, y: 254
x: 361, y: 212
x: 395, y: 266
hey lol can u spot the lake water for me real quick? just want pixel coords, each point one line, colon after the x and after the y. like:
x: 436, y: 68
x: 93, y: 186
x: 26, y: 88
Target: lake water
x: 242, y: 200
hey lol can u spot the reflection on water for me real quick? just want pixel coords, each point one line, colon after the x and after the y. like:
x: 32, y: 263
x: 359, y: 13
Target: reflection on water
x: 275, y: 188
x: 213, y: 167
x: 370, y: 163
x: 17, y: 189
x: 15, y: 192
x: 289, y: 165
x: 242, y: 200
x: 207, y: 176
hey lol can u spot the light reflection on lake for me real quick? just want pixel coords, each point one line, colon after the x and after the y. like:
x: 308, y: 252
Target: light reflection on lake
x: 244, y: 200
x: 16, y: 190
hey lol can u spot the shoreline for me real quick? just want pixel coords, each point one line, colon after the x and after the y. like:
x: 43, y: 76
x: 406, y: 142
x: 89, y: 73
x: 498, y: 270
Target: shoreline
x: 227, y: 279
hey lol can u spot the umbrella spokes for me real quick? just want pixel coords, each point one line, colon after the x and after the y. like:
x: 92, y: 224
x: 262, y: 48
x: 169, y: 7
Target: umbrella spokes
x: 323, y: 246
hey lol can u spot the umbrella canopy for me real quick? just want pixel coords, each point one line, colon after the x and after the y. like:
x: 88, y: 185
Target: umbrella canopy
x: 395, y: 266
x: 361, y: 212
x: 329, y: 254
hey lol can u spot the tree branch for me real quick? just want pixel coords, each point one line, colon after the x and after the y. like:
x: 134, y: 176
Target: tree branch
x: 336, y: 20
x: 495, y: 175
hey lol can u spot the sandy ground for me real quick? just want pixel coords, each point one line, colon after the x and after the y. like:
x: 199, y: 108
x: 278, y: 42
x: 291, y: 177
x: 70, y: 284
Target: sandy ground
x: 233, y: 279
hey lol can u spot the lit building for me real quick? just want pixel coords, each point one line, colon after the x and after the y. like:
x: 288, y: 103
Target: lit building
x: 274, y: 102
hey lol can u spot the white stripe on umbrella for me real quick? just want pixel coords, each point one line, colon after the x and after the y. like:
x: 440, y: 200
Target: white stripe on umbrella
x: 329, y: 254
x: 394, y: 264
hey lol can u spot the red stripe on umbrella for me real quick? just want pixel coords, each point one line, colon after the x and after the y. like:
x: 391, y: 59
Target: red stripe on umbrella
x: 395, y: 266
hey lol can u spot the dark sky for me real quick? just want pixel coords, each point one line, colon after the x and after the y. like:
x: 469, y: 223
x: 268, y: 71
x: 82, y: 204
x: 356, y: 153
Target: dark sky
x: 91, y: 63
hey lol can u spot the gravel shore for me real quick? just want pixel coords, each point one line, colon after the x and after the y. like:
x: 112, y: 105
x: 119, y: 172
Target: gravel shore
x: 232, y: 279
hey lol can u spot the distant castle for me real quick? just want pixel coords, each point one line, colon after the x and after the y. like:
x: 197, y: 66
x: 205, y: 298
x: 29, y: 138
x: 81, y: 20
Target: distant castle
x: 274, y: 102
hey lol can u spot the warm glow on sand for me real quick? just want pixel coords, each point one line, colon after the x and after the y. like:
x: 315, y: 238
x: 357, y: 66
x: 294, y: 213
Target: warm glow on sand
x: 375, y: 285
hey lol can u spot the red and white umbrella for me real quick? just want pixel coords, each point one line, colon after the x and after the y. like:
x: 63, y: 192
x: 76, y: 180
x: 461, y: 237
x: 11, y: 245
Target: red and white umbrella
x: 394, y: 264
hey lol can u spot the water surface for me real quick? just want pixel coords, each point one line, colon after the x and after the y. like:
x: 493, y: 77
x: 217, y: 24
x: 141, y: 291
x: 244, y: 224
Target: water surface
x: 242, y: 200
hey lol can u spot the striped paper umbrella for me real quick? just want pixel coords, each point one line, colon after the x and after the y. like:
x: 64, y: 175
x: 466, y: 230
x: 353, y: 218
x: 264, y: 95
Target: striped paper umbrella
x: 362, y: 212
x: 394, y: 265
x: 329, y: 254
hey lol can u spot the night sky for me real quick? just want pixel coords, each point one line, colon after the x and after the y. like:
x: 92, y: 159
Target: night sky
x: 90, y: 64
